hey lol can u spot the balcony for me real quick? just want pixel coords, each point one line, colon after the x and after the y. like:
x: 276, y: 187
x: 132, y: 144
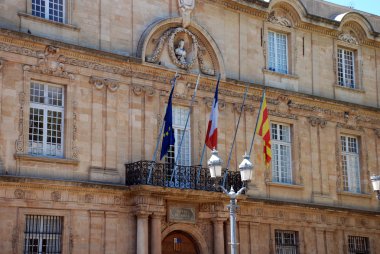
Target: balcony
x: 184, y: 177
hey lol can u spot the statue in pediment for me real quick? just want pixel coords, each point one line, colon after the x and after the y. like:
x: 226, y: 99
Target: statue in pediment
x: 185, y: 8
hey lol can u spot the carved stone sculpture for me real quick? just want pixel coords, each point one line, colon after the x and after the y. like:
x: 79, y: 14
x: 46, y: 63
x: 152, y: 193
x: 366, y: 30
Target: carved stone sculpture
x: 346, y: 37
x: 180, y: 52
x: 185, y: 8
x: 282, y: 21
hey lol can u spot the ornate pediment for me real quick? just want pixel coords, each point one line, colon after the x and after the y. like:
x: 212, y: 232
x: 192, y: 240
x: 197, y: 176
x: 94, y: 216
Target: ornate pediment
x: 179, y: 47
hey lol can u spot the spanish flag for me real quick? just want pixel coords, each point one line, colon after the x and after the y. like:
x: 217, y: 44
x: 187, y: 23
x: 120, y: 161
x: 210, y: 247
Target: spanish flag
x: 263, y: 129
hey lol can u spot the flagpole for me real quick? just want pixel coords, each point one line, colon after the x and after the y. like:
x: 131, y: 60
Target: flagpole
x: 233, y: 142
x: 184, y: 131
x: 159, y: 135
x: 257, y: 121
x: 204, y: 145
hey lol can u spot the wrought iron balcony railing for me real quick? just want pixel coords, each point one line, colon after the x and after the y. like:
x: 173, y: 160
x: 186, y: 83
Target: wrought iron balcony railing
x: 183, y: 177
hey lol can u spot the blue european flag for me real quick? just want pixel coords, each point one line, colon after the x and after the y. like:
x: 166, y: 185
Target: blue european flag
x: 168, y: 137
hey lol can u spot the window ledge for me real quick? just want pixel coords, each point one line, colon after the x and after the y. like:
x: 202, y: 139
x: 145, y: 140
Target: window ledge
x: 285, y: 185
x: 27, y: 157
x: 283, y: 75
x: 51, y: 22
x: 353, y: 90
x: 356, y: 195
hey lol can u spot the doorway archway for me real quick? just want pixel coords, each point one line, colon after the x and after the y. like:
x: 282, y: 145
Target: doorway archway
x: 179, y: 242
x: 196, y: 236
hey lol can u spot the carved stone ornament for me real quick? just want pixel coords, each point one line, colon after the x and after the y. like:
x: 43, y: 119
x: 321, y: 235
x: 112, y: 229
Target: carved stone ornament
x: 99, y: 83
x: 20, y: 140
x: 56, y: 196
x: 346, y: 37
x: 282, y: 21
x: 377, y: 132
x: 209, y: 101
x: 19, y: 194
x: 88, y: 198
x: 50, y: 63
x: 185, y: 8
x: 315, y: 121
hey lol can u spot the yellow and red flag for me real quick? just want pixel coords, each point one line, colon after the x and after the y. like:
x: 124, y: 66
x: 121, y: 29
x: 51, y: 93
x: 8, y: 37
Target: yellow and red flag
x: 263, y: 129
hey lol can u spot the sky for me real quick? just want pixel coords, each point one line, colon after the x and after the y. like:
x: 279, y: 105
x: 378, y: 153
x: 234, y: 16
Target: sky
x: 370, y: 6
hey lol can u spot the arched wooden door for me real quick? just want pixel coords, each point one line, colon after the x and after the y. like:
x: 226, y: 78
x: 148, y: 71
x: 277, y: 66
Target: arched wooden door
x: 179, y: 242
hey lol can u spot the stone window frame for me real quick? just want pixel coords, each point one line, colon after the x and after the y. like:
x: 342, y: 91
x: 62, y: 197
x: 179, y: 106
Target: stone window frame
x: 291, y: 50
x: 21, y: 218
x: 363, y: 168
x: 358, y: 64
x: 68, y: 12
x: 70, y: 151
x: 297, y: 178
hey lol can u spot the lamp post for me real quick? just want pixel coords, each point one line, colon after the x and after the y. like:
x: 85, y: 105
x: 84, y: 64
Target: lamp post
x: 376, y: 184
x: 246, y: 167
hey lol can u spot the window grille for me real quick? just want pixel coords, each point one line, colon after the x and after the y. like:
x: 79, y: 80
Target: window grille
x: 49, y: 9
x: 278, y: 52
x: 358, y: 245
x: 281, y: 153
x: 46, y: 120
x: 350, y: 164
x: 286, y: 242
x: 43, y: 234
x: 346, y: 68
x: 179, y: 120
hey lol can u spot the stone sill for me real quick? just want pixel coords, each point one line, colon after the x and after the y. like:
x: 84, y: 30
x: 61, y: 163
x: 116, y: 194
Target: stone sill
x: 355, y: 195
x: 47, y: 21
x: 285, y: 185
x: 283, y: 75
x: 352, y: 90
x: 27, y: 157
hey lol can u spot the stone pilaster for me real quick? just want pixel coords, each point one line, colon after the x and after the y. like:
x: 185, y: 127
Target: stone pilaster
x: 218, y: 235
x: 155, y: 235
x: 142, y: 232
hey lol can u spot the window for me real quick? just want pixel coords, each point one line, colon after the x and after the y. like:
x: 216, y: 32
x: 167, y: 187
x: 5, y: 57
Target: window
x: 281, y: 151
x: 49, y: 9
x: 46, y: 120
x: 358, y: 245
x: 346, y: 68
x: 179, y: 120
x: 350, y: 164
x: 278, y: 52
x: 43, y: 234
x: 286, y: 242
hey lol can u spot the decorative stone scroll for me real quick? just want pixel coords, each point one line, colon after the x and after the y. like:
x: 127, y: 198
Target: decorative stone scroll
x: 377, y: 132
x: 99, y: 83
x: 20, y: 140
x: 282, y: 21
x: 139, y: 89
x: 346, y: 37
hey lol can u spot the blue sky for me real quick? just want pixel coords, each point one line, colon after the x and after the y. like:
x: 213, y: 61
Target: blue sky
x: 370, y: 6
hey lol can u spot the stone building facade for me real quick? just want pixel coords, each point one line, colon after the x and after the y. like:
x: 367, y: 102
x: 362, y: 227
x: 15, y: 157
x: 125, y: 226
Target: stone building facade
x: 84, y: 86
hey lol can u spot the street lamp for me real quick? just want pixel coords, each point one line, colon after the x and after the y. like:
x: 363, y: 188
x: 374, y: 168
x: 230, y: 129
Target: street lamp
x: 245, y: 167
x: 376, y: 184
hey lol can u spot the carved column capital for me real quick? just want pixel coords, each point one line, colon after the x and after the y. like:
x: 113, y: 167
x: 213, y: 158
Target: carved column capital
x: 99, y: 83
x: 315, y: 121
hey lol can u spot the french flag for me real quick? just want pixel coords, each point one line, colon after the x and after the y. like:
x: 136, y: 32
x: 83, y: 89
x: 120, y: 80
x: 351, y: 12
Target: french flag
x: 212, y: 129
